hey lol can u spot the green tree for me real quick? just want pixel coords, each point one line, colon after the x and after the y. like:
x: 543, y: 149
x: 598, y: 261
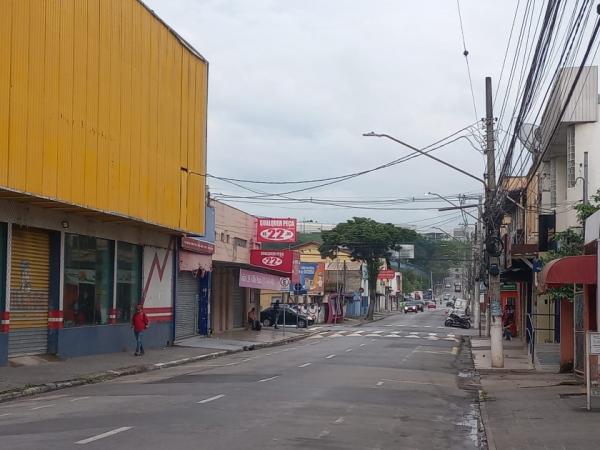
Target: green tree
x: 368, y: 241
x: 586, y: 210
x: 568, y: 243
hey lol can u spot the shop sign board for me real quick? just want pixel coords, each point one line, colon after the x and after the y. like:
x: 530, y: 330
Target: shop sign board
x: 197, y: 246
x: 276, y: 230
x: 285, y: 261
x: 386, y: 274
x: 257, y: 280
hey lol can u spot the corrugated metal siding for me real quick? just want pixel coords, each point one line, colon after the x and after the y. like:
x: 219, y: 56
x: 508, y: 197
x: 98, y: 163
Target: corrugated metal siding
x: 106, y: 108
x: 186, y: 305
x: 29, y: 285
x: 583, y: 106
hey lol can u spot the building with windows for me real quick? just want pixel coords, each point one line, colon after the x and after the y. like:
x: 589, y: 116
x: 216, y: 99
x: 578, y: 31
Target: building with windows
x: 102, y: 156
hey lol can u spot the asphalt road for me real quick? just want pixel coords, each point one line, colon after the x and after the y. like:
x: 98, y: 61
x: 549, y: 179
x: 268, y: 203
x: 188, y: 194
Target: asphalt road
x: 399, y: 383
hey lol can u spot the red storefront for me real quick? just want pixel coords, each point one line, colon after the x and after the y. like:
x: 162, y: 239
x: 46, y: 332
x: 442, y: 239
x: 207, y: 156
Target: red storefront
x: 577, y: 316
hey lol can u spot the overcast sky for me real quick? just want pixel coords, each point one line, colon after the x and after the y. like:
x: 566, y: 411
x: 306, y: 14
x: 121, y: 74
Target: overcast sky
x: 294, y: 84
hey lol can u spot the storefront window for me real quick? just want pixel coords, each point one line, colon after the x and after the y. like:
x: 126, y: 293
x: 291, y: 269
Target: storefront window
x: 88, y: 286
x: 129, y: 279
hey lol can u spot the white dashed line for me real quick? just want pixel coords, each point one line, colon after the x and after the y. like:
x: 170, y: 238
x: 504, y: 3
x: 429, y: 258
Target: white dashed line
x: 232, y: 364
x: 268, y: 354
x: 305, y: 365
x: 210, y: 399
x: 380, y: 383
x: 103, y: 435
x: 339, y: 420
x: 5, y: 414
x: 362, y: 345
x: 267, y: 379
x: 76, y: 399
x: 348, y: 349
x: 330, y: 356
x: 323, y: 434
x: 40, y: 407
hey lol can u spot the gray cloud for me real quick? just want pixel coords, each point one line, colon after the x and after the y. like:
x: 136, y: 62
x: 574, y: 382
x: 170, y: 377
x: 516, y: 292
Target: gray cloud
x: 294, y: 84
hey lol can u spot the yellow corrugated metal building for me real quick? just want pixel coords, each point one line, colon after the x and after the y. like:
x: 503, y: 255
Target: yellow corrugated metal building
x: 102, y: 106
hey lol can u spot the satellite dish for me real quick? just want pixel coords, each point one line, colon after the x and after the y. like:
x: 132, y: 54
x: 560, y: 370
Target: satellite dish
x: 529, y: 135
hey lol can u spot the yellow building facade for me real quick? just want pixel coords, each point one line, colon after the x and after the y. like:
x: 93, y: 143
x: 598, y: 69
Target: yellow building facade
x: 102, y: 107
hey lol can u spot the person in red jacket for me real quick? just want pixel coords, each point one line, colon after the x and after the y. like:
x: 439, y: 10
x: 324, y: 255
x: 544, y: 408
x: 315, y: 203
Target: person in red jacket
x: 139, y: 323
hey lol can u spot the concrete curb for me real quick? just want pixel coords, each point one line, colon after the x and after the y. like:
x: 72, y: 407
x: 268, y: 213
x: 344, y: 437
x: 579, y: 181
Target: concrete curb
x: 485, y: 420
x: 107, y: 375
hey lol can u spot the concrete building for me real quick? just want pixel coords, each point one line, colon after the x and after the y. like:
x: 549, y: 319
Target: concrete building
x: 102, y: 151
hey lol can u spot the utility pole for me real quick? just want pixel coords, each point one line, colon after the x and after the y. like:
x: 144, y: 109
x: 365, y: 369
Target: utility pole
x: 478, y: 251
x: 585, y: 178
x: 497, y: 344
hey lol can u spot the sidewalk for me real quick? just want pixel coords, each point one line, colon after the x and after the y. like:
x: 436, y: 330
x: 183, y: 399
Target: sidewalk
x: 31, y: 375
x: 522, y: 408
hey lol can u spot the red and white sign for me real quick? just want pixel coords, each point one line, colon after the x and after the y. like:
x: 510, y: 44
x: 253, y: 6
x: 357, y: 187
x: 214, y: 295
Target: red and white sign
x: 276, y: 230
x: 386, y: 274
x: 284, y: 261
x: 257, y: 280
x: 197, y: 246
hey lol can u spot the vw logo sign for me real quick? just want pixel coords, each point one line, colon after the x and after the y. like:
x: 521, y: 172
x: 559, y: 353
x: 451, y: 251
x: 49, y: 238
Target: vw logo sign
x: 277, y: 234
x: 272, y: 261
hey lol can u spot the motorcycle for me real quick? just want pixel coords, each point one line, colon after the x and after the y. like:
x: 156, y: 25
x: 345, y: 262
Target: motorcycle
x: 454, y: 320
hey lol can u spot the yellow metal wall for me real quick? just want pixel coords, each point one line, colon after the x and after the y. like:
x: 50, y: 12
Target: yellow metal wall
x: 103, y: 107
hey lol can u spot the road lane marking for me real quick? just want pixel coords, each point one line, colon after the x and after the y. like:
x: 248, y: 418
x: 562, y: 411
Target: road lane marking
x: 451, y: 335
x: 305, y: 365
x: 232, y: 364
x: 76, y: 399
x: 330, y: 356
x: 348, y: 349
x: 103, y: 435
x: 267, y: 379
x: 339, y: 420
x: 432, y: 334
x: 413, y: 332
x: 210, y: 399
x: 246, y: 360
x: 426, y: 326
x: 322, y: 434
x: 380, y: 383
x: 372, y: 335
x: 413, y: 336
x: 362, y: 345
x: 433, y: 352
x: 455, y: 350
x: 267, y: 354
x: 393, y: 335
x: 43, y: 406
x: 5, y: 414
x: 373, y: 340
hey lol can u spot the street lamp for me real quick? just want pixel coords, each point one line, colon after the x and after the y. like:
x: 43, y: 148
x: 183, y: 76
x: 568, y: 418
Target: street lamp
x: 464, y: 172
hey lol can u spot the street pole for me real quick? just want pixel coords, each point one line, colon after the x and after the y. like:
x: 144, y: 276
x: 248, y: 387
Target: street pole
x: 585, y: 178
x: 477, y: 259
x: 496, y: 343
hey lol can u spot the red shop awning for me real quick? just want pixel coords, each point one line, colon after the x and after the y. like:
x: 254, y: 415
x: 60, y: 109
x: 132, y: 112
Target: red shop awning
x: 580, y: 269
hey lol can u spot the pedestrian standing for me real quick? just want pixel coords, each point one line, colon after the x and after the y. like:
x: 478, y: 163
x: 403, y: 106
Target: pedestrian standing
x: 139, y: 323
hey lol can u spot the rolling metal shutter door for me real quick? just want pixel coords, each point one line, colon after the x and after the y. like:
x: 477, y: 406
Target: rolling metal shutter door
x: 238, y: 300
x: 29, y: 285
x: 186, y: 305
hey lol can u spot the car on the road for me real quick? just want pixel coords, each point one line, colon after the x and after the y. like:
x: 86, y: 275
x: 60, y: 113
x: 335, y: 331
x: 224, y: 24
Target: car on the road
x: 420, y: 305
x: 431, y: 305
x: 410, y: 307
x: 450, y: 304
x: 267, y: 317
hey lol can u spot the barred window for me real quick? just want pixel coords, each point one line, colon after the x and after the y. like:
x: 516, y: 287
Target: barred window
x: 571, y: 156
